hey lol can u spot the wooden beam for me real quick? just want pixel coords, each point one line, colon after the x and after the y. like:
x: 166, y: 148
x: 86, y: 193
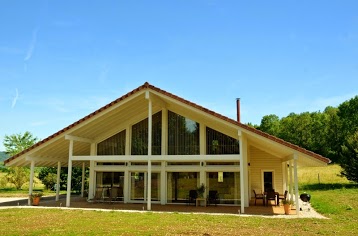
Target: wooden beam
x: 79, y: 139
x: 48, y: 159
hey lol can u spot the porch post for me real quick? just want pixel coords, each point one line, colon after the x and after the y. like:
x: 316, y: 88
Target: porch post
x: 69, y: 174
x: 163, y: 178
x: 163, y: 183
x: 149, y: 197
x: 242, y: 176
x: 91, y: 184
x: 245, y: 163
x: 291, y: 178
x: 58, y: 183
x: 284, y: 176
x: 296, y: 183
x: 83, y: 179
x: 31, y: 181
x: 126, y: 189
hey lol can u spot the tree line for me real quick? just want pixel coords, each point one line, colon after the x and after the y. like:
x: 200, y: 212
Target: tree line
x: 332, y: 133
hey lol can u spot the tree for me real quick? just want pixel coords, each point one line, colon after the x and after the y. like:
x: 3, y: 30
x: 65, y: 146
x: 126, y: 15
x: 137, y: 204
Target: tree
x: 270, y: 124
x: 349, y: 158
x: 14, y: 144
x: 18, y: 176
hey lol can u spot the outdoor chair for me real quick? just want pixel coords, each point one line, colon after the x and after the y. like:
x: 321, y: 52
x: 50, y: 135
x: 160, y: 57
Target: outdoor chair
x: 284, y: 196
x: 193, y: 195
x: 270, y: 195
x: 98, y: 194
x: 213, y: 197
x: 113, y: 194
x: 259, y: 196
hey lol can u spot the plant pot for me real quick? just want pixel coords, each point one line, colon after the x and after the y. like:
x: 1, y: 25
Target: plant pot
x: 35, y: 201
x: 287, y: 208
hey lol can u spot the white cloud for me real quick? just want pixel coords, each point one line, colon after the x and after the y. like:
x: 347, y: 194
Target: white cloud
x: 31, y: 48
x: 15, y: 99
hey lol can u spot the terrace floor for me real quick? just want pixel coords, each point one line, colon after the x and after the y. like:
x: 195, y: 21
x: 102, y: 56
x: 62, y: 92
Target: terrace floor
x: 80, y: 202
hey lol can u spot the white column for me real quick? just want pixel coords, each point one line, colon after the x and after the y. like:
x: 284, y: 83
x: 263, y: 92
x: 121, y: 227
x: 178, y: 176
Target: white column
x: 128, y: 140
x: 163, y: 184
x: 291, y: 180
x: 32, y: 173
x: 296, y: 183
x: 92, y: 182
x: 58, y: 181
x: 242, y: 177
x: 246, y: 181
x: 149, y: 197
x: 69, y: 174
x: 202, y: 176
x: 164, y: 131
x: 163, y: 177
x: 284, y: 176
x: 126, y: 185
x: 202, y: 138
x: 83, y: 179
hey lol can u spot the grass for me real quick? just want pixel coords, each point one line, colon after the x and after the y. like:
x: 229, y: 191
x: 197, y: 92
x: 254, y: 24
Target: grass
x: 339, y: 204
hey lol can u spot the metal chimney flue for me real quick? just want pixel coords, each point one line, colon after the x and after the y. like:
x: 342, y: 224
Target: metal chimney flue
x: 238, y: 109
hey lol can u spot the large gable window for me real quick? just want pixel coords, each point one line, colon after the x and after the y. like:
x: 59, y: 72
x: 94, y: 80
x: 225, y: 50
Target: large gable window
x: 140, y: 136
x: 183, y: 135
x: 219, y: 143
x: 114, y: 145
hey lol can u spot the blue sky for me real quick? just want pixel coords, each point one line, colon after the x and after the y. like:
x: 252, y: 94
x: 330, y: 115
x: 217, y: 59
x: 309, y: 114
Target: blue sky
x: 61, y: 60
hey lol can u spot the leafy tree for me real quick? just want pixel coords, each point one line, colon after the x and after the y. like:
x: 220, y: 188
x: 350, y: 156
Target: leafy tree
x: 48, y: 176
x: 270, y: 124
x: 18, y: 176
x: 348, y: 114
x: 349, y: 158
x: 333, y: 138
x: 16, y: 143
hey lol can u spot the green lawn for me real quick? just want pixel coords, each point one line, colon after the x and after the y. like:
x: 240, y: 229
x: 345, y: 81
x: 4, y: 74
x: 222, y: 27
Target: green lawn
x: 339, y: 205
x: 336, y: 200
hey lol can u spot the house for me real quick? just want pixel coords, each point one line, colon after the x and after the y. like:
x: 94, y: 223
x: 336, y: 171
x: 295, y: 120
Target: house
x: 153, y: 147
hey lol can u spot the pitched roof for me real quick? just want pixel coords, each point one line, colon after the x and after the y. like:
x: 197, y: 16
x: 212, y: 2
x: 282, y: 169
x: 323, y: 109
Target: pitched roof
x: 146, y: 85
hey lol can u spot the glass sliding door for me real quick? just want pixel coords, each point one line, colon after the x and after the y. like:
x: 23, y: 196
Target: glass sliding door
x: 179, y: 184
x: 227, y: 185
x: 138, y: 186
x: 110, y: 185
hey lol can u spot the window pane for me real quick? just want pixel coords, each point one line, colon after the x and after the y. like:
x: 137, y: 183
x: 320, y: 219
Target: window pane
x: 140, y: 136
x: 219, y: 143
x: 114, y: 145
x: 228, y: 189
x: 183, y: 135
x: 179, y: 185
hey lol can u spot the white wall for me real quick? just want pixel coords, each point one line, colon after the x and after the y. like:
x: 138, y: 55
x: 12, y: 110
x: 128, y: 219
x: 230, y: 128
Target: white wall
x: 262, y: 161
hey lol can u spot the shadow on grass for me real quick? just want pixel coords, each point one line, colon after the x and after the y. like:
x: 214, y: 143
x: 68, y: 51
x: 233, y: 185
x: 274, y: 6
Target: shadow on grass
x: 331, y: 186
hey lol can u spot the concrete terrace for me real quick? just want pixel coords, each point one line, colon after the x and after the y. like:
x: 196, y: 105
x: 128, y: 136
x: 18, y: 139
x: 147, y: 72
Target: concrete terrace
x: 82, y: 203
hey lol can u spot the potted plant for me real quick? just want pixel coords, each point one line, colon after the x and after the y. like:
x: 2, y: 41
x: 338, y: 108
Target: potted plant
x: 35, y: 198
x: 201, y: 191
x: 287, y: 205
